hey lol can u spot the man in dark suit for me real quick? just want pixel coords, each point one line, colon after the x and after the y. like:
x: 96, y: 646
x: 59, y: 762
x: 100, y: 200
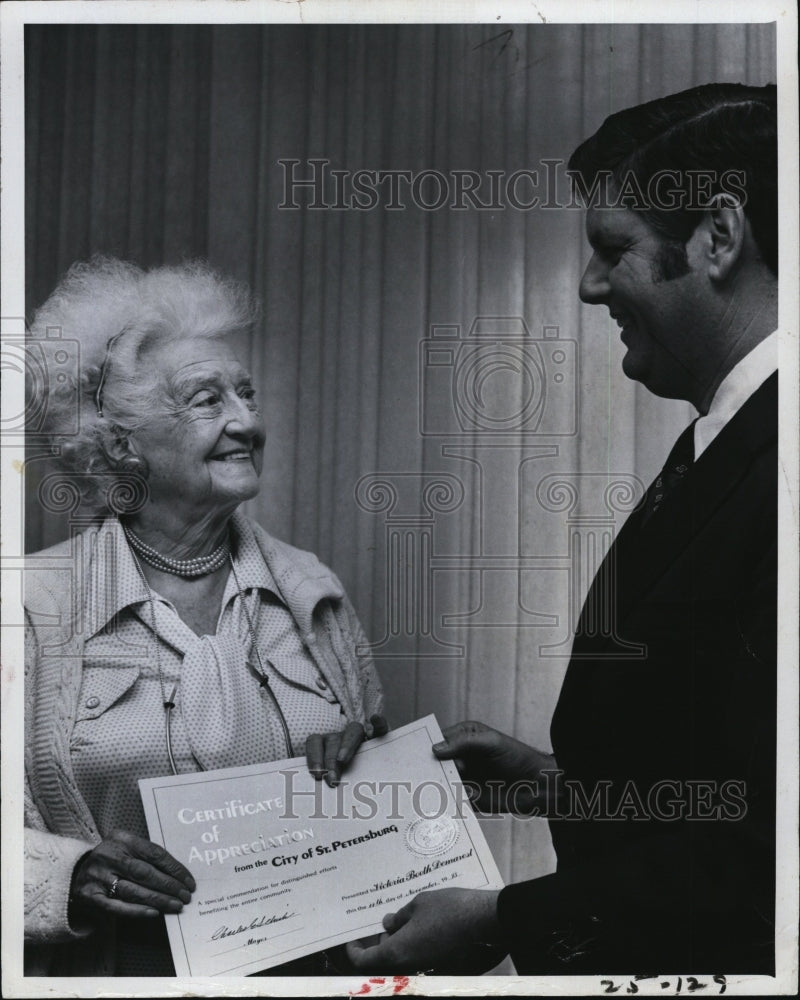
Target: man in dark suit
x: 661, y: 788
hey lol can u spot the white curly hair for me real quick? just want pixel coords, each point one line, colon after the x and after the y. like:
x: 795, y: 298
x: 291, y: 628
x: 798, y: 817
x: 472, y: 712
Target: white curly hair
x: 116, y: 312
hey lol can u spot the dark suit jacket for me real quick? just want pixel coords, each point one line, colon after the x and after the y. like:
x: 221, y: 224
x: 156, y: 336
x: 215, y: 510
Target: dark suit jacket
x: 685, y: 730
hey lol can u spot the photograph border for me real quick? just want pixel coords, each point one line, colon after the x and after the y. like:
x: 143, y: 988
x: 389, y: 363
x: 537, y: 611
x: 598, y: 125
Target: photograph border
x: 14, y: 15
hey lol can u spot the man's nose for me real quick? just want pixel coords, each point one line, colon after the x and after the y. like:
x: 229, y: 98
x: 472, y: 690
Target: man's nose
x: 593, y: 288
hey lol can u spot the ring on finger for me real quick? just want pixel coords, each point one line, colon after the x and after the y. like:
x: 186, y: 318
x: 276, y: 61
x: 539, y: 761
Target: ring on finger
x: 112, y: 889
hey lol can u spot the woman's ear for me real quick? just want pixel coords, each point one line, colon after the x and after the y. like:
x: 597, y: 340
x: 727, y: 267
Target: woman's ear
x: 121, y: 452
x: 725, y: 227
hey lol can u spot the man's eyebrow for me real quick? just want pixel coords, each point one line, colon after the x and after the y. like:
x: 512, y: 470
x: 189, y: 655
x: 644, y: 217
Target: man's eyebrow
x: 608, y: 241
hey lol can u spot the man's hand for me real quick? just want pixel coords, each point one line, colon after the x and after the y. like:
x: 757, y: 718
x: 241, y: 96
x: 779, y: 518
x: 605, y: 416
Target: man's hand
x: 501, y: 774
x: 446, y: 931
x: 128, y: 876
x: 329, y: 754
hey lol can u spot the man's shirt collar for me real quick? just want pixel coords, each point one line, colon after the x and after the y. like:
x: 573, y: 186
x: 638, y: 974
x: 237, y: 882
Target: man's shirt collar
x: 735, y: 389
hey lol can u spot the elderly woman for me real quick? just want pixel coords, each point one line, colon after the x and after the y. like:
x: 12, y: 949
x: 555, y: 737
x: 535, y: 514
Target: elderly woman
x: 173, y: 634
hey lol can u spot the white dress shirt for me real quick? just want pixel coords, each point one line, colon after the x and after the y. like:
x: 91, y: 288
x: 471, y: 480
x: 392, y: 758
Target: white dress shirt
x: 735, y: 389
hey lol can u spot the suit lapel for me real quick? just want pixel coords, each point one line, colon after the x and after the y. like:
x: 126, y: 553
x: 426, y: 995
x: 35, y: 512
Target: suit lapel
x: 642, y: 553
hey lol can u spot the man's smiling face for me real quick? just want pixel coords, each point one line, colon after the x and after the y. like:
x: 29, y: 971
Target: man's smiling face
x: 658, y: 314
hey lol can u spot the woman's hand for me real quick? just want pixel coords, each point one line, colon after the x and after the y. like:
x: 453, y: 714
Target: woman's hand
x: 328, y: 754
x: 128, y: 876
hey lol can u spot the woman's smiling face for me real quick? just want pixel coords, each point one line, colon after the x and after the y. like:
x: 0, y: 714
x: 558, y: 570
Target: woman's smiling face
x: 204, y: 446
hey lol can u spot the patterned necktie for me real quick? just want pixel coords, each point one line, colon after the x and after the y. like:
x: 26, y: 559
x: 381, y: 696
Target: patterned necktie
x: 675, y: 468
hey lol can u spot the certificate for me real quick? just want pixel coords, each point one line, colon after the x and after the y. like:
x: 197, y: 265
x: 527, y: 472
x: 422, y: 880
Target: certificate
x: 286, y: 866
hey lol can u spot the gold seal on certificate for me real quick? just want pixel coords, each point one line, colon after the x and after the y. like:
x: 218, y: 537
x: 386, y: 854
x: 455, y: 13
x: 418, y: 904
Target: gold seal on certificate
x: 286, y: 866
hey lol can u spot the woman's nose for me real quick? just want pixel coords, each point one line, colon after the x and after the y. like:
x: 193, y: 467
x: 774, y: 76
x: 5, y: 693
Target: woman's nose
x: 243, y: 417
x: 594, y: 283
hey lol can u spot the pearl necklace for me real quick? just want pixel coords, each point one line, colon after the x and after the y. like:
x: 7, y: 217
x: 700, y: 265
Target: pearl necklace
x: 199, y: 566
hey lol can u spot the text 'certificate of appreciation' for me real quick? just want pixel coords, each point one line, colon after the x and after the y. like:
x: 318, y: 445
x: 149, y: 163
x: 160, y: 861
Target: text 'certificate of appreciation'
x: 286, y: 866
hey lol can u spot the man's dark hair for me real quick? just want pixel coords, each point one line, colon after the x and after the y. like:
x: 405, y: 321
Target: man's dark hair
x: 724, y: 133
